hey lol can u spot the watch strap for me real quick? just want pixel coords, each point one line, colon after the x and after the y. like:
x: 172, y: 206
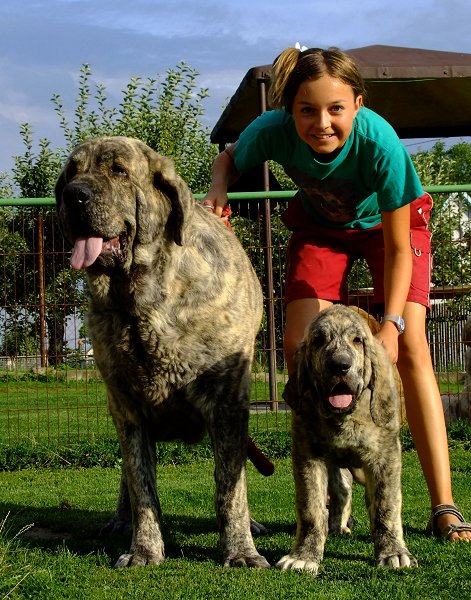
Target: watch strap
x: 397, y: 320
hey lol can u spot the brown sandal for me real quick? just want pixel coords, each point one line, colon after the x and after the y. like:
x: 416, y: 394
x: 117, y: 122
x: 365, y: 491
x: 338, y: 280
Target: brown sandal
x: 446, y: 532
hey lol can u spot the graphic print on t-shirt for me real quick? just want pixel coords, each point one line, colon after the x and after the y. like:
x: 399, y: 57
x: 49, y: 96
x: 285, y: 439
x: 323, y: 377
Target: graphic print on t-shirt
x: 331, y: 199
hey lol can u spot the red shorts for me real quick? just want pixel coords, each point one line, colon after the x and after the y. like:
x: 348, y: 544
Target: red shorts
x: 319, y: 259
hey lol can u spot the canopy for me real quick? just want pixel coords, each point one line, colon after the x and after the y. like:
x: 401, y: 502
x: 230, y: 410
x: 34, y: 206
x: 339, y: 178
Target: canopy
x: 422, y: 93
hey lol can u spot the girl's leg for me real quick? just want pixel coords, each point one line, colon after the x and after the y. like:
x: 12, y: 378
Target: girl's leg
x: 425, y: 412
x: 299, y: 314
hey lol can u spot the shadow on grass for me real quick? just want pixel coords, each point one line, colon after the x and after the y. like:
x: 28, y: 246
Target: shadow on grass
x: 193, y: 538
x: 54, y: 528
x: 80, y: 532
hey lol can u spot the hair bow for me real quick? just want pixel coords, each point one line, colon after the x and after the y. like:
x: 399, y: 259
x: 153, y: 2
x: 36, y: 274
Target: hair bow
x: 299, y: 47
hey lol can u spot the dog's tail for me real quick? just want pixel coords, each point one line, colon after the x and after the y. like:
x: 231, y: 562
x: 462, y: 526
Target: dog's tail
x: 258, y: 459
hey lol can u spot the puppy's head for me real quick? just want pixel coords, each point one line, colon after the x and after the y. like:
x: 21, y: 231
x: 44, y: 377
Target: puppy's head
x: 114, y: 196
x: 339, y: 364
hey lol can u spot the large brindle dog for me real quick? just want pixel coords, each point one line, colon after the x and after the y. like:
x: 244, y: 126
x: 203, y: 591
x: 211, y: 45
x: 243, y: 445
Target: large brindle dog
x: 173, y: 313
x: 346, y: 418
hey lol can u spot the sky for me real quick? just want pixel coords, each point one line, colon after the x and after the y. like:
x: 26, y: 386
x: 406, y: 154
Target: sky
x: 44, y: 43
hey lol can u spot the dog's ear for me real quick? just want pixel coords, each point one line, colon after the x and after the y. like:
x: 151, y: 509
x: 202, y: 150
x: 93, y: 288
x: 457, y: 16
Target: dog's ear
x: 172, y: 186
x: 291, y: 392
x: 59, y: 188
x: 384, y: 401
x: 60, y: 184
x: 298, y: 385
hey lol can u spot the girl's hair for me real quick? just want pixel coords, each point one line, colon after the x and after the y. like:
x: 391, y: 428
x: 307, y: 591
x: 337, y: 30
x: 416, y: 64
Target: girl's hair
x: 293, y: 66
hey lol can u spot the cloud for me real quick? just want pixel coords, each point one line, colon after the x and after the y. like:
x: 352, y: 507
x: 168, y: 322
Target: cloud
x: 43, y: 44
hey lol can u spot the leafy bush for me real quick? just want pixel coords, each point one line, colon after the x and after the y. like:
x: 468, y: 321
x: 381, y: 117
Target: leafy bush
x: 106, y: 453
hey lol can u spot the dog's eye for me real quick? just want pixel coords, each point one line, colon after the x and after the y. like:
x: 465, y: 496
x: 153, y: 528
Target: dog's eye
x: 357, y: 341
x: 118, y: 170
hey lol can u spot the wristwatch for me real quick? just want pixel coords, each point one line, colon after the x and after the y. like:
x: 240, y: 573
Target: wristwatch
x: 397, y: 320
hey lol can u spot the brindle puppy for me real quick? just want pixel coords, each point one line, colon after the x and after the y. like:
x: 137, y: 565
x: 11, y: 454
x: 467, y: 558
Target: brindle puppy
x: 346, y: 415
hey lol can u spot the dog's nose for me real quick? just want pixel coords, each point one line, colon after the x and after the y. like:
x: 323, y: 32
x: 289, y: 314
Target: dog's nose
x: 344, y: 368
x: 340, y: 365
x: 76, y: 194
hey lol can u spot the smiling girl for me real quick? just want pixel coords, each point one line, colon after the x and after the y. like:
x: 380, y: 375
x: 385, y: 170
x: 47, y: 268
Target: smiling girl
x: 359, y: 197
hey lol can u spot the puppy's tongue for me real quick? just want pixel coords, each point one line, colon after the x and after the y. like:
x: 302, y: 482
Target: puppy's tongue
x: 85, y: 252
x: 341, y: 400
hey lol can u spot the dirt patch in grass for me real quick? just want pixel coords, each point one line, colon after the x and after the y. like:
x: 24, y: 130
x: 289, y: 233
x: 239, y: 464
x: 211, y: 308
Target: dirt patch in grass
x: 44, y: 533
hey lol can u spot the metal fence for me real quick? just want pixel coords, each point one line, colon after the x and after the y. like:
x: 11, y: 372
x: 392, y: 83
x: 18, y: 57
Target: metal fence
x: 50, y: 391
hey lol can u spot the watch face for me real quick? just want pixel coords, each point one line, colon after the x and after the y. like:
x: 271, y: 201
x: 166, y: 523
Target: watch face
x: 398, y: 321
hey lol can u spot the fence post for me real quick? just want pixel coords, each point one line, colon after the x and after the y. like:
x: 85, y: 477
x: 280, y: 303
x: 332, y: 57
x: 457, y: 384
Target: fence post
x: 42, y: 294
x: 270, y: 308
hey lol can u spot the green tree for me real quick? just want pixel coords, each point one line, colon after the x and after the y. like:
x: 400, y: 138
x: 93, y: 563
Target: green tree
x: 460, y: 155
x: 6, y: 186
x: 19, y: 339
x: 164, y: 114
x: 449, y: 222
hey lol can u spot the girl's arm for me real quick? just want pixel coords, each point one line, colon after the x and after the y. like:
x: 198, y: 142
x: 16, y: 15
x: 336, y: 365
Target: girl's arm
x: 224, y: 174
x: 397, y: 273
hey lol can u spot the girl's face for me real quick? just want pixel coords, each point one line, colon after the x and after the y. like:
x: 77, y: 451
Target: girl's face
x: 323, y: 112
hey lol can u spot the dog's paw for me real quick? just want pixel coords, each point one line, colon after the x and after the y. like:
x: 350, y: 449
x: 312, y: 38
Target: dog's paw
x: 257, y: 528
x: 254, y: 561
x: 402, y: 559
x: 288, y: 563
x: 139, y: 559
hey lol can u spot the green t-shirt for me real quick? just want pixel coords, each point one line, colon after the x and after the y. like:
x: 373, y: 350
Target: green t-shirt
x: 372, y: 172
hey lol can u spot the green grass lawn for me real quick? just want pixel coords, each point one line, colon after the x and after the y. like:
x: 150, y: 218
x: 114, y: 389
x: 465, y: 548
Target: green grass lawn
x: 55, y: 412
x: 61, y: 413
x: 52, y: 411
x: 63, y: 556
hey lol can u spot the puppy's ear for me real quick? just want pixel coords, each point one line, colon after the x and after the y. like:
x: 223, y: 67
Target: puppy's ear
x: 172, y: 186
x: 384, y: 402
x: 291, y: 393
x: 297, y: 386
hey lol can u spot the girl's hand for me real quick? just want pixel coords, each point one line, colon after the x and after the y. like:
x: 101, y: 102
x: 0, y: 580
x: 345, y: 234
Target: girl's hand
x: 223, y: 174
x: 388, y: 336
x: 208, y: 203
x: 215, y: 203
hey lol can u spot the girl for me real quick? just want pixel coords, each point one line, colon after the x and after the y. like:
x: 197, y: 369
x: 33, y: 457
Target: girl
x: 359, y: 197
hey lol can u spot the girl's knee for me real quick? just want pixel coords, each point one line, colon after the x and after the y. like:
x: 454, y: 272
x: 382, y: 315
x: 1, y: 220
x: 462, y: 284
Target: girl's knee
x: 290, y: 345
x: 299, y: 314
x: 414, y: 353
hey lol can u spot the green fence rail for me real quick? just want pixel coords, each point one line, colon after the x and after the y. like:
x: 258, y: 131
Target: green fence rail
x: 272, y: 195
x: 80, y: 411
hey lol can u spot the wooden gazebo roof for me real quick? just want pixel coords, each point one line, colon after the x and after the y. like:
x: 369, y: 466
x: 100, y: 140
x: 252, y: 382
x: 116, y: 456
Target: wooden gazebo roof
x: 422, y: 93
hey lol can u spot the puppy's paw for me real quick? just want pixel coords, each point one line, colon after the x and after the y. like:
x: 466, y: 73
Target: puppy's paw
x: 289, y: 563
x: 403, y: 559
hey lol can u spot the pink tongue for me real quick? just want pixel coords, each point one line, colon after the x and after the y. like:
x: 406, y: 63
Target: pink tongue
x: 86, y: 251
x: 341, y: 400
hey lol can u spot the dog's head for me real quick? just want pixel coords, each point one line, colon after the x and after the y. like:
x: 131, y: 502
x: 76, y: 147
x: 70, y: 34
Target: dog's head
x: 116, y: 195
x: 340, y: 364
